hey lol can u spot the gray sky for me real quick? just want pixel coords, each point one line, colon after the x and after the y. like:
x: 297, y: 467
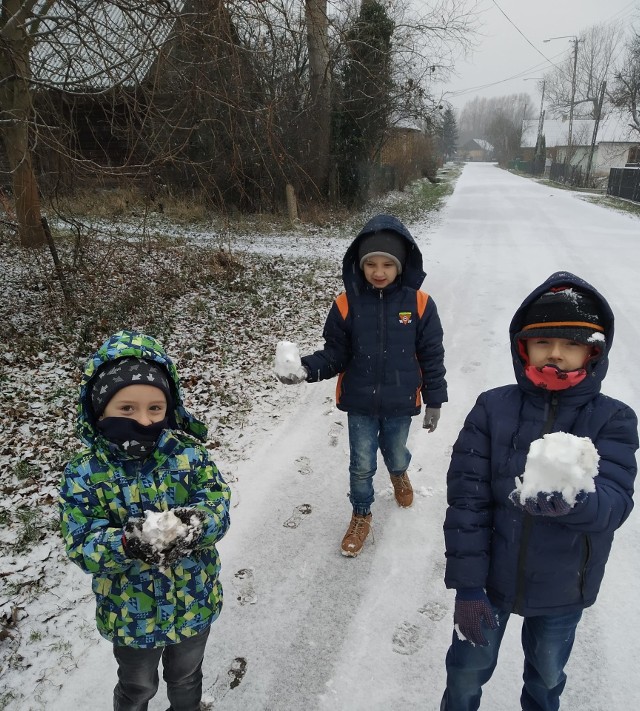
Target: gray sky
x: 504, y: 55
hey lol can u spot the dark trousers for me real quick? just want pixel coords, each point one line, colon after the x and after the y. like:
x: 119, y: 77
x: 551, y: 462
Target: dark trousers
x: 181, y: 669
x: 547, y: 642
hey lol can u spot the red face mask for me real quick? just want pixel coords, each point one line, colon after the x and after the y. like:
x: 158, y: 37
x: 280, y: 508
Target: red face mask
x: 550, y: 377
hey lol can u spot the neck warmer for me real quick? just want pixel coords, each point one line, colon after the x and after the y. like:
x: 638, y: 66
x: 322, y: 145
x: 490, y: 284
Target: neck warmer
x: 550, y: 377
x: 135, y: 440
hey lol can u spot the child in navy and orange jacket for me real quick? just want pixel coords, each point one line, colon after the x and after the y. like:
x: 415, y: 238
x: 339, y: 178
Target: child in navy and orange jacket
x: 383, y: 338
x: 542, y: 559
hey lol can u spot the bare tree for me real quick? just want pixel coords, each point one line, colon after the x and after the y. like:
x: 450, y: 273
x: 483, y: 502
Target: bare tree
x: 626, y: 85
x: 597, y: 50
x: 63, y: 43
x: 497, y: 120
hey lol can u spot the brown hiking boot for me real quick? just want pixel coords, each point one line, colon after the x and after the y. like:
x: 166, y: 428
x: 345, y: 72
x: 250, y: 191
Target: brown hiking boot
x: 402, y: 489
x: 356, y: 535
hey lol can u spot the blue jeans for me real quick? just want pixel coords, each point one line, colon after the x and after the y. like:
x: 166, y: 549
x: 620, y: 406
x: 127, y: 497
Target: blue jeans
x: 366, y: 434
x: 138, y: 674
x: 546, y: 641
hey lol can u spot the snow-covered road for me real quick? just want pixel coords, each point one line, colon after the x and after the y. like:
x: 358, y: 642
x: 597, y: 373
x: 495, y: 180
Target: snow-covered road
x: 303, y: 627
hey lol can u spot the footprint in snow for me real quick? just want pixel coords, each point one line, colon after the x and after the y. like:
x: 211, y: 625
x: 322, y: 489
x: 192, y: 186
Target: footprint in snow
x: 407, y: 639
x: 237, y: 671
x: 304, y: 465
x: 334, y: 433
x: 294, y: 520
x: 246, y: 591
x: 216, y: 692
x: 435, y: 611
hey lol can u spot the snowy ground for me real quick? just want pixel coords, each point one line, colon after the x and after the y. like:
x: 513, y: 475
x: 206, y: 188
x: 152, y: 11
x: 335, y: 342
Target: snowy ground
x: 303, y: 627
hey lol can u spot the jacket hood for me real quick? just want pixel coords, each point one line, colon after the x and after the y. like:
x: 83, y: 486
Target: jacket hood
x: 598, y: 368
x: 126, y: 344
x: 412, y: 274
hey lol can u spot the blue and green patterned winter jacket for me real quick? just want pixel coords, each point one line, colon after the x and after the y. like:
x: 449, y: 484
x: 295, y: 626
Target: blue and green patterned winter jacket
x: 140, y: 605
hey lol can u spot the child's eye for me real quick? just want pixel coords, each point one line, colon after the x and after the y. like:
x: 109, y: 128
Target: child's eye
x: 156, y: 408
x: 126, y: 408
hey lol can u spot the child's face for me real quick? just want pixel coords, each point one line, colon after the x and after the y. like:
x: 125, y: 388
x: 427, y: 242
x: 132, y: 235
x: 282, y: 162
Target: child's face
x: 143, y: 403
x: 561, y: 352
x: 380, y: 271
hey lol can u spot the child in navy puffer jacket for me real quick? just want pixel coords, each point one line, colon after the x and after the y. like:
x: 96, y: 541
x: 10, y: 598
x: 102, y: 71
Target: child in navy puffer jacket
x: 383, y: 338
x: 541, y: 557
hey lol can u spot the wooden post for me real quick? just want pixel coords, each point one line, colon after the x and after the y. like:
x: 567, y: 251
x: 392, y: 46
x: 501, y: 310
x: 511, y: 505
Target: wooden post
x: 292, y: 204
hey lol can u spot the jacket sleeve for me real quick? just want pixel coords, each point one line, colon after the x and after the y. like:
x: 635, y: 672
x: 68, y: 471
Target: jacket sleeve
x: 608, y: 507
x: 469, y: 517
x: 430, y: 353
x: 336, y: 354
x: 212, y: 495
x: 91, y: 541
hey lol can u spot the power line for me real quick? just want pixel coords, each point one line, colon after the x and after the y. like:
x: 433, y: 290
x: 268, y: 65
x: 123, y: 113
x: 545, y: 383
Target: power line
x: 523, y: 35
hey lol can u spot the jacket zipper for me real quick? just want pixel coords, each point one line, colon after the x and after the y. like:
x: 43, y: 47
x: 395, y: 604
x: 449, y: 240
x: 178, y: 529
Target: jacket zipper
x: 528, y: 518
x: 381, y: 342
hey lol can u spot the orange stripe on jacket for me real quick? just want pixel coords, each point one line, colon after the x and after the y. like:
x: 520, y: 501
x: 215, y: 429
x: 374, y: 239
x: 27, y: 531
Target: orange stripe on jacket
x: 421, y: 297
x: 343, y: 304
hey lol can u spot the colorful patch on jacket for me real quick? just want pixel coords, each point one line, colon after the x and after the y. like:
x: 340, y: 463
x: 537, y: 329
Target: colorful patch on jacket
x: 405, y: 317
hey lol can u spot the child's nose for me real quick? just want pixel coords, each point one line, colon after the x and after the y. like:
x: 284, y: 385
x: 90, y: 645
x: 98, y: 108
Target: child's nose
x: 143, y: 419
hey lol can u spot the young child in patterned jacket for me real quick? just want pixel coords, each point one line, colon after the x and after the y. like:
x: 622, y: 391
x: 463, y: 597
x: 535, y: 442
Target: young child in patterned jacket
x: 383, y: 339
x: 142, y: 508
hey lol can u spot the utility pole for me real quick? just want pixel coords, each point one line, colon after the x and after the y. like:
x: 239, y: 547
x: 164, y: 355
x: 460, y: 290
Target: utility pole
x: 541, y: 114
x: 573, y: 95
x: 575, y: 41
x: 596, y: 123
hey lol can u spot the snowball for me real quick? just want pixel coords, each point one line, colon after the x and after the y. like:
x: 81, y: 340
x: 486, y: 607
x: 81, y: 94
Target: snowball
x: 162, y: 528
x: 559, y: 462
x: 287, y: 361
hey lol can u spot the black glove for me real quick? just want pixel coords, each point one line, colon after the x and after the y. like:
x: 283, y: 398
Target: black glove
x: 544, y: 504
x: 182, y: 547
x: 472, y: 610
x: 135, y: 547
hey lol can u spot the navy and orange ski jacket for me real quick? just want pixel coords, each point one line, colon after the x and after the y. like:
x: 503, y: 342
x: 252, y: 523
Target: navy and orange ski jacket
x: 384, y: 344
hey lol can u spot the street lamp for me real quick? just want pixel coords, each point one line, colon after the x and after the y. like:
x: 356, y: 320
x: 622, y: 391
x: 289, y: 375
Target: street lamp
x: 575, y: 41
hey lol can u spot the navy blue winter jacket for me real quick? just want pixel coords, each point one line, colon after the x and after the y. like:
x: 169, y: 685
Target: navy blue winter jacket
x: 535, y: 565
x: 386, y: 344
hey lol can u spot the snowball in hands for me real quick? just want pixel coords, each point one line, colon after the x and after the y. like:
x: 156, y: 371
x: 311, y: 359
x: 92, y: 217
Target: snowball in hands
x: 161, y: 529
x: 559, y: 462
x: 288, y: 364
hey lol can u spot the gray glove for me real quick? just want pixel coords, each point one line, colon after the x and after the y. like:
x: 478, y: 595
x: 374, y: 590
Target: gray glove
x: 294, y: 378
x: 431, y: 417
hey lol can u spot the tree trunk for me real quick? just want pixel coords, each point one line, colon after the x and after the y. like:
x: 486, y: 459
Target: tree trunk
x: 25, y: 187
x: 320, y: 92
x: 15, y: 114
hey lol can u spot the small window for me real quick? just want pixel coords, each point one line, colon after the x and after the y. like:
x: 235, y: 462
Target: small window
x: 634, y: 154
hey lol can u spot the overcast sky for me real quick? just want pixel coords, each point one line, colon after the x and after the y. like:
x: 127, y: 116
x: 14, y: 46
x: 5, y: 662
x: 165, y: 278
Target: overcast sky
x: 510, y: 45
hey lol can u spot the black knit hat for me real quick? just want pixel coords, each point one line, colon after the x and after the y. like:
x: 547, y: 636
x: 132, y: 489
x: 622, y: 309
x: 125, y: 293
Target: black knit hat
x: 383, y: 244
x: 119, y: 373
x: 564, y: 312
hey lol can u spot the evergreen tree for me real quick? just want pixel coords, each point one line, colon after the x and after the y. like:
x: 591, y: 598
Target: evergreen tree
x: 362, y: 115
x: 449, y: 134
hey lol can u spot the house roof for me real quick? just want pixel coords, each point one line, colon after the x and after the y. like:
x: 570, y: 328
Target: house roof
x: 612, y: 129
x: 477, y: 144
x: 101, y: 47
